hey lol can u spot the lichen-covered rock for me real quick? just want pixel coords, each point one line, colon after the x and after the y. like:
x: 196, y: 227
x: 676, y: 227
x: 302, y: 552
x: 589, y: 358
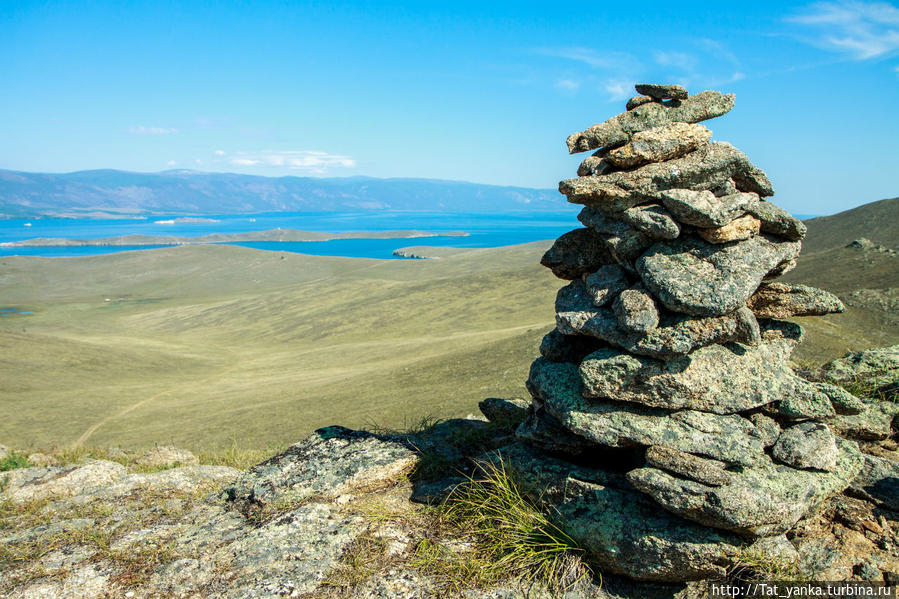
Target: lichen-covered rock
x: 703, y: 208
x: 660, y: 143
x: 882, y: 362
x: 692, y: 276
x: 704, y: 168
x: 675, y: 335
x: 558, y: 388
x: 624, y: 242
x: 685, y: 465
x: 738, y: 229
x: 508, y: 413
x: 606, y: 283
x: 167, y: 456
x: 777, y: 221
x: 779, y: 300
x: 576, y: 253
x: 842, y: 401
x: 721, y: 379
x: 638, y: 101
x: 767, y: 427
x: 619, y: 129
x: 658, y: 91
x: 636, y: 311
x: 805, y: 402
x: 334, y: 460
x: 653, y: 220
x: 875, y: 423
x: 35, y: 484
x: 546, y: 433
x: 557, y: 347
x: 879, y: 480
x: 761, y: 500
x: 595, y: 165
x: 807, y: 446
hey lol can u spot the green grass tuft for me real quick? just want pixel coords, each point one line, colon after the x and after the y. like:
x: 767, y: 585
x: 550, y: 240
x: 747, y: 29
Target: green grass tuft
x: 14, y: 460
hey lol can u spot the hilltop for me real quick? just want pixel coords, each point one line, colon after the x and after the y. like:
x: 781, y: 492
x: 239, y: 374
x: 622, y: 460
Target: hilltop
x: 111, y: 193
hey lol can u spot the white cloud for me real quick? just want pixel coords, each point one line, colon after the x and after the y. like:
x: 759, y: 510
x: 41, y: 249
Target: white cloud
x: 590, y: 57
x: 681, y: 60
x: 170, y: 163
x: 141, y: 130
x: 219, y: 152
x: 861, y: 30
x: 568, y: 85
x: 619, y: 90
x: 301, y: 160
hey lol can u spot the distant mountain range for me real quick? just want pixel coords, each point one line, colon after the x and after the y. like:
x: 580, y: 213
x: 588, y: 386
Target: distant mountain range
x: 105, y: 193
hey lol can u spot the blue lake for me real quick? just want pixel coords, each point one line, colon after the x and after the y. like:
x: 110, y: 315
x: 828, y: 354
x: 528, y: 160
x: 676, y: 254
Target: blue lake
x: 4, y: 312
x: 484, y: 229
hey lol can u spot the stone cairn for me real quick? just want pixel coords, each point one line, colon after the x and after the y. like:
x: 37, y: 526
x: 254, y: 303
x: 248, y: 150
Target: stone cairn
x: 666, y: 426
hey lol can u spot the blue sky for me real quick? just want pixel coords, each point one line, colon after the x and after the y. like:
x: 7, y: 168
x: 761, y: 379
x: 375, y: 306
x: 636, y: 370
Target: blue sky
x: 484, y: 92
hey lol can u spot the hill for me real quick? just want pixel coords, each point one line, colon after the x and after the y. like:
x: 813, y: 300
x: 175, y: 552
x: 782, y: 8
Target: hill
x: 876, y: 221
x: 118, y: 193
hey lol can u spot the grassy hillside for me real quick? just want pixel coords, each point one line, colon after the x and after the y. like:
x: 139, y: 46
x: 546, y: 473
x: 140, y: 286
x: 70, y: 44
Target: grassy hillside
x: 204, y: 345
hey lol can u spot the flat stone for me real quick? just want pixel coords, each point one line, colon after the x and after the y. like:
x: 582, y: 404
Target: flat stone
x: 805, y: 402
x: 685, y: 465
x: 721, y: 379
x: 703, y: 208
x: 675, y: 335
x: 807, y: 446
x: 638, y: 101
x: 23, y: 485
x: 879, y: 362
x: 625, y: 243
x: 619, y: 129
x: 662, y: 92
x: 704, y: 168
x: 779, y: 300
x: 557, y: 347
x: 761, y: 500
x: 738, y: 229
x: 842, y: 401
x: 576, y: 253
x: 875, y: 423
x: 547, y: 434
x: 659, y: 144
x: 879, y: 480
x: 727, y: 438
x: 653, y: 220
x: 692, y: 276
x: 636, y: 311
x: 605, y: 284
x: 506, y: 412
x: 768, y: 428
x: 777, y: 221
x: 623, y: 531
x: 594, y: 165
x: 781, y: 269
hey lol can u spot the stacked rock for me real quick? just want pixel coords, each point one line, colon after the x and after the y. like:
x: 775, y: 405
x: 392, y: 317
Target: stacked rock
x: 667, y: 379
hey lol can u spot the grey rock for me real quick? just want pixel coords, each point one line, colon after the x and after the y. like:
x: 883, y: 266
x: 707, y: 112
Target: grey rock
x: 721, y: 379
x: 619, y: 129
x: 767, y: 427
x: 546, y: 433
x: 685, y: 465
x: 878, y: 362
x: 762, y: 500
x: 738, y: 229
x: 623, y: 531
x: 508, y: 413
x: 557, y: 347
x: 167, y: 456
x: 777, y: 221
x: 558, y: 387
x: 659, y: 144
x: 842, y: 401
x: 816, y: 555
x: 725, y: 188
x: 662, y: 92
x: 636, y: 311
x: 808, y: 446
x: 676, y: 334
x: 594, y: 165
x: 436, y: 492
x: 652, y: 220
x: 624, y: 242
x: 805, y: 402
x: 704, y: 168
x: 576, y: 253
x: 868, y: 571
x: 638, y: 101
x: 692, y: 276
x: 332, y: 461
x: 24, y: 485
x: 781, y: 269
x: 703, y: 208
x: 878, y: 481
x: 779, y: 300
x: 875, y: 423
x: 606, y: 283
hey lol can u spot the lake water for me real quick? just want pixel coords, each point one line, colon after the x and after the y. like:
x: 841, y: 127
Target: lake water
x: 4, y: 312
x: 484, y: 229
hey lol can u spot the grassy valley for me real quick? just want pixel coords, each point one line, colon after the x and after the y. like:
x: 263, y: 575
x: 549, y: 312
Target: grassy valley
x: 205, y: 346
